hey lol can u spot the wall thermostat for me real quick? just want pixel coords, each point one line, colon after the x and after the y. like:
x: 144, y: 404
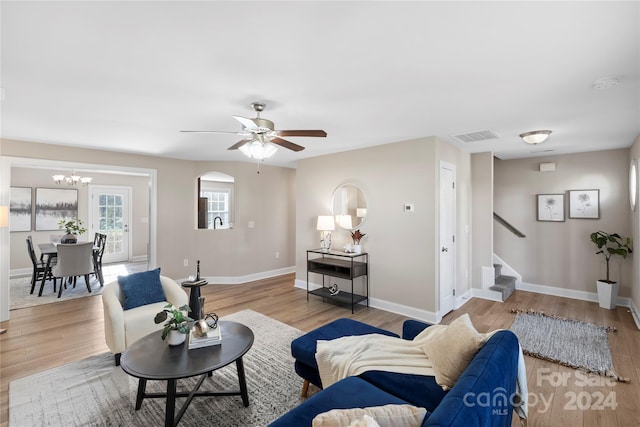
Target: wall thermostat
x: 408, y: 207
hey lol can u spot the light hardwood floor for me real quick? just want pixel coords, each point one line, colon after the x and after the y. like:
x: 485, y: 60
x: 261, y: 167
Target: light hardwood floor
x: 47, y: 336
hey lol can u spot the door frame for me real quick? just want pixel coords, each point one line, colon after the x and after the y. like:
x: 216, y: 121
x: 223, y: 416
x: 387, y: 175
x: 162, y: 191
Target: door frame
x: 440, y: 311
x: 93, y: 188
x: 8, y: 162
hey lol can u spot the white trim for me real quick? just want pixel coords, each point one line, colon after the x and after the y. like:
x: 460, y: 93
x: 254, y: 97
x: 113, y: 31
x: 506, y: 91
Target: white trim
x: 237, y: 280
x: 634, y: 312
x: 140, y: 258
x: 558, y: 292
x: 93, y: 214
x: 415, y: 313
x: 463, y: 299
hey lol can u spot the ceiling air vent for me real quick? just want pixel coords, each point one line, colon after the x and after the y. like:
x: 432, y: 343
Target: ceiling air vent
x: 481, y: 135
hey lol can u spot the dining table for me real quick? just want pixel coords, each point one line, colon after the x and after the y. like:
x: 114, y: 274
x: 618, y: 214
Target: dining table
x: 50, y: 252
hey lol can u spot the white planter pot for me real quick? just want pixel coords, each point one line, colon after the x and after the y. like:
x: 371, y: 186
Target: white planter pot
x: 175, y: 337
x: 607, y: 294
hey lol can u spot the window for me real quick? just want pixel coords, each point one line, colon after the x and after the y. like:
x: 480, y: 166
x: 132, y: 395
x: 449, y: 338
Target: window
x: 217, y: 207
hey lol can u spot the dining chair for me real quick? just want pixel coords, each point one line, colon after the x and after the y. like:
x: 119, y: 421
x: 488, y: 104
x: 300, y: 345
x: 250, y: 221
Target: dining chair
x: 39, y: 267
x: 74, y: 259
x: 99, y: 244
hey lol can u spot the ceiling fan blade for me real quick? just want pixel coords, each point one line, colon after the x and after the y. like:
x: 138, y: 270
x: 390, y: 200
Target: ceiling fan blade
x: 247, y: 123
x: 287, y: 144
x: 239, y: 144
x: 216, y: 131
x: 317, y: 132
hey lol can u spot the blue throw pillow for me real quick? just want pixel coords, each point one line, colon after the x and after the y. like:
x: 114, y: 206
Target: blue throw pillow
x: 141, y: 288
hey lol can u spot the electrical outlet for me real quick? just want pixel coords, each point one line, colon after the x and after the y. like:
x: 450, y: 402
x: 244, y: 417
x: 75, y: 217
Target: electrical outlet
x: 408, y: 207
x: 251, y: 224
x: 277, y: 254
x: 186, y: 262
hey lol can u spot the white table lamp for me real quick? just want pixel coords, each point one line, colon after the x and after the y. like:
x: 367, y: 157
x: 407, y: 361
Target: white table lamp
x: 325, y: 225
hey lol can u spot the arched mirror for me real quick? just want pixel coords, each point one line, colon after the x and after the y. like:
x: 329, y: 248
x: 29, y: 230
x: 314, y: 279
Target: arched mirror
x: 349, y: 206
x: 215, y: 201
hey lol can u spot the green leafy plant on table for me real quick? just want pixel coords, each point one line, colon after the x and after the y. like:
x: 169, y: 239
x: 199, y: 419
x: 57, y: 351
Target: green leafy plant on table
x: 72, y: 226
x: 174, y: 318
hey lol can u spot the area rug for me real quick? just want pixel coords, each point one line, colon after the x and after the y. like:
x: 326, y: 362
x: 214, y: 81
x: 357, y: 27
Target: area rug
x: 94, y: 392
x: 19, y: 287
x: 571, y: 343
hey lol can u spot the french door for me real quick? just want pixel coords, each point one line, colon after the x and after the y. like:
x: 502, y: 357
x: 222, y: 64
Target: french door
x: 109, y: 214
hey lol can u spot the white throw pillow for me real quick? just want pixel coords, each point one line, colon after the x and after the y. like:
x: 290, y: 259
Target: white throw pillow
x: 384, y: 416
x: 452, y: 350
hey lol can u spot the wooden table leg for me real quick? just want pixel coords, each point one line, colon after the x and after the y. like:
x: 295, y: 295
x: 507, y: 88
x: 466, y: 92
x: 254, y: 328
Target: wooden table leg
x: 243, y: 382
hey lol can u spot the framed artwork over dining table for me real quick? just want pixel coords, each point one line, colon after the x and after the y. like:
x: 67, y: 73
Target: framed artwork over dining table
x: 54, y: 204
x: 20, y: 204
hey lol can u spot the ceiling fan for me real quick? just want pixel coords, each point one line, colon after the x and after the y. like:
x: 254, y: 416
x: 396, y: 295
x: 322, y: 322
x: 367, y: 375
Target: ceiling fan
x: 261, y: 137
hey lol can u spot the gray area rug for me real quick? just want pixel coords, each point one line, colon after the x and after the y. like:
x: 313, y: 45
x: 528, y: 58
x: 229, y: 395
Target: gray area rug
x: 19, y: 287
x: 571, y: 343
x: 94, y: 392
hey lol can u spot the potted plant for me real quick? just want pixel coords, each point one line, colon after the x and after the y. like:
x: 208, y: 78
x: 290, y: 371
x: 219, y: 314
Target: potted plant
x: 176, y: 325
x: 73, y: 227
x: 609, y: 245
x: 356, y: 236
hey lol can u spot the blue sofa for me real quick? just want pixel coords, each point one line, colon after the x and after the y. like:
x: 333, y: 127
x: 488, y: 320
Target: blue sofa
x: 481, y: 396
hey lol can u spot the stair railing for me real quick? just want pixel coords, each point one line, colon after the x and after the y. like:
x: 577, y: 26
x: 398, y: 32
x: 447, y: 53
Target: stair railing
x: 508, y: 225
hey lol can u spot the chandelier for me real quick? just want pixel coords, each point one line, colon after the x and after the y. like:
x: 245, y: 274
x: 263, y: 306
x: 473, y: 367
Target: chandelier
x: 72, y: 179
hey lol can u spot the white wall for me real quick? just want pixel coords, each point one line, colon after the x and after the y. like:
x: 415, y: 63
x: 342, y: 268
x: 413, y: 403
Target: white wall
x: 561, y: 254
x: 403, y: 247
x: 265, y: 198
x: 33, y: 178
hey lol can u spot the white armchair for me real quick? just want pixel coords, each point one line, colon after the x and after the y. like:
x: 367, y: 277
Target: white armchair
x: 124, y: 327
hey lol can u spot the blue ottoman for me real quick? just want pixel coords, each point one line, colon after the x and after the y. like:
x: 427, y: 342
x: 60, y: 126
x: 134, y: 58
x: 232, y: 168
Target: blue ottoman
x: 303, y: 349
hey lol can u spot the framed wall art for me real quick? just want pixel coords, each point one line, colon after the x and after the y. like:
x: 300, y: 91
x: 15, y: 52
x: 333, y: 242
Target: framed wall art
x: 20, y: 203
x: 54, y: 204
x: 584, y: 204
x: 551, y: 207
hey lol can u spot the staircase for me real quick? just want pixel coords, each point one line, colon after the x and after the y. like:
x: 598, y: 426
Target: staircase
x: 503, y: 284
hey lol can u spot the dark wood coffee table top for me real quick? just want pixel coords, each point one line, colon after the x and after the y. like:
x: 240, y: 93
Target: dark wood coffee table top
x: 152, y: 358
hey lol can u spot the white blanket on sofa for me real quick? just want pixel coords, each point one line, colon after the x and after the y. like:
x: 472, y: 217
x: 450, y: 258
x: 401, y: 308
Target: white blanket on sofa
x: 353, y: 355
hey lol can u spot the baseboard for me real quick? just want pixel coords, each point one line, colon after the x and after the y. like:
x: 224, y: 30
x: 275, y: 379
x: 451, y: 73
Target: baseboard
x: 634, y: 312
x: 415, y: 313
x: 463, y: 299
x: 580, y: 295
x: 140, y: 258
x: 20, y: 272
x: 237, y: 280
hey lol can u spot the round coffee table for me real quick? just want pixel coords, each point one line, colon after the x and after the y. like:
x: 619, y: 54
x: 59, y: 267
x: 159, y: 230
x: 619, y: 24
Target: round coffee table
x: 151, y: 358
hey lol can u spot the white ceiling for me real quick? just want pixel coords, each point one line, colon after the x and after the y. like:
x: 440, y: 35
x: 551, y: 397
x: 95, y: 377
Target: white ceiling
x: 127, y: 76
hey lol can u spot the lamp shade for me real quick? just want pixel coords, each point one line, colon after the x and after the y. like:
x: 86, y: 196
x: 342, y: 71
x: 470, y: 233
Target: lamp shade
x: 535, y: 136
x: 325, y: 223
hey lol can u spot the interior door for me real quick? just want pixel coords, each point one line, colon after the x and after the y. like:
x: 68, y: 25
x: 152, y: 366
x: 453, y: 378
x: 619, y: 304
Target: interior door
x: 447, y: 249
x: 110, y: 215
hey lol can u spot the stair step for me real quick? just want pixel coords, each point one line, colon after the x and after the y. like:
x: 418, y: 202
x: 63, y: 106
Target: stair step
x: 497, y: 268
x: 504, y: 284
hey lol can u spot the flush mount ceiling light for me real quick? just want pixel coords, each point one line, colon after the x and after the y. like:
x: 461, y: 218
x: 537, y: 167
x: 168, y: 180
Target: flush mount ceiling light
x: 535, y: 136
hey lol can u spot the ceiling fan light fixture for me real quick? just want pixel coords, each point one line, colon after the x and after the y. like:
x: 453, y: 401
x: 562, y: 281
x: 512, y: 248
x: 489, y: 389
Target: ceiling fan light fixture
x: 535, y: 136
x: 257, y: 149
